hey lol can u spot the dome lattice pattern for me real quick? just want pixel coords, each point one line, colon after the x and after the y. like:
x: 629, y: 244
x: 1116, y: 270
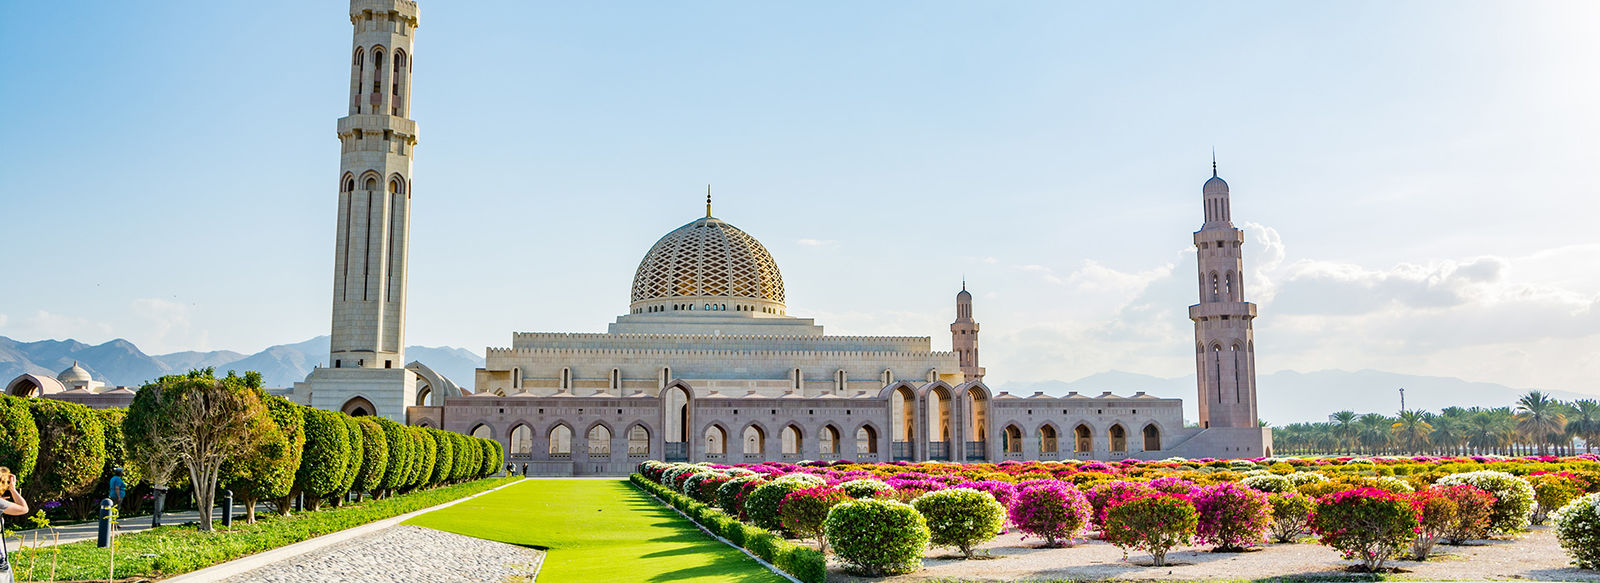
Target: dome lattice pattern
x: 708, y: 257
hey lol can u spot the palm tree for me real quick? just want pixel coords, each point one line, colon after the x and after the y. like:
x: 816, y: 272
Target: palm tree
x: 1584, y: 422
x: 1344, y: 429
x: 1488, y: 430
x: 1375, y: 432
x: 1449, y: 433
x: 1411, y: 430
x: 1538, y: 416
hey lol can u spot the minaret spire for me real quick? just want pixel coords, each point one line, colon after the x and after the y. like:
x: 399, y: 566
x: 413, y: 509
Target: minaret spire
x: 708, y: 201
x: 1213, y: 162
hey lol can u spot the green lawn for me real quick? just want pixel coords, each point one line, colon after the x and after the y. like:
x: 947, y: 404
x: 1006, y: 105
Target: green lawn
x: 598, y: 530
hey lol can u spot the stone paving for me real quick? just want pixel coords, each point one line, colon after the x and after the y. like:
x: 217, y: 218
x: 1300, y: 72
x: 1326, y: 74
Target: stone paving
x: 403, y: 554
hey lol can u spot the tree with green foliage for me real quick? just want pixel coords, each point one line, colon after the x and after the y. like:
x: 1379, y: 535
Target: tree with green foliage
x: 19, y: 437
x: 444, y: 460
x: 327, y: 453
x: 354, y: 460
x: 402, y: 456
x: 203, y: 421
x: 375, y: 458
x: 266, y: 471
x: 72, y: 450
x: 1584, y: 422
x: 1411, y: 431
x: 428, y: 453
x: 1538, y: 417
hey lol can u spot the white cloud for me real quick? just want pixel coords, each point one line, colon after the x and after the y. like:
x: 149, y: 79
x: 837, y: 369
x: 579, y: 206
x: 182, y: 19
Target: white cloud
x: 166, y: 327
x: 818, y: 243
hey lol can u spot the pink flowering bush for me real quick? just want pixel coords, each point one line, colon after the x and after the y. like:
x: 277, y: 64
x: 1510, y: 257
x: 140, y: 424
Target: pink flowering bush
x: 1474, y: 511
x: 1291, y: 515
x: 1003, y: 492
x: 1437, y: 513
x: 803, y: 512
x: 1055, y: 511
x: 1105, y: 495
x: 1153, y: 522
x: 1232, y: 516
x: 1366, y: 524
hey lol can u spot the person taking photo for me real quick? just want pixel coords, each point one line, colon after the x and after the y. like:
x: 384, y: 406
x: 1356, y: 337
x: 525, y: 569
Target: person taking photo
x: 11, y: 504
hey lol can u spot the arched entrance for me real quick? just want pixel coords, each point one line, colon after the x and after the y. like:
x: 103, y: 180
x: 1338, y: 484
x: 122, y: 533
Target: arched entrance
x: 675, y: 407
x: 358, y: 407
x: 716, y: 442
x: 1047, y: 441
x: 522, y: 441
x: 867, y: 443
x: 1084, y: 445
x: 939, y: 424
x: 1152, y: 438
x: 755, y: 441
x: 1012, y: 441
x: 1119, y: 438
x: 828, y: 442
x: 903, y: 409
x: 977, y: 415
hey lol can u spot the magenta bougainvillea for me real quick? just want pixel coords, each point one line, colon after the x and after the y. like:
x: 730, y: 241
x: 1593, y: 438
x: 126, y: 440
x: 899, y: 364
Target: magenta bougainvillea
x: 1103, y: 496
x: 1367, y: 524
x: 1232, y: 516
x: 1054, y: 511
x: 1153, y: 522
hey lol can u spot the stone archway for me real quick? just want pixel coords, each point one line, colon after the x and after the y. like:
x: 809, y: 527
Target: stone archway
x: 359, y: 407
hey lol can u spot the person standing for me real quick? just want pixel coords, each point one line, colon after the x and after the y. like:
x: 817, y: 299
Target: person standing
x: 118, y: 488
x: 11, y: 504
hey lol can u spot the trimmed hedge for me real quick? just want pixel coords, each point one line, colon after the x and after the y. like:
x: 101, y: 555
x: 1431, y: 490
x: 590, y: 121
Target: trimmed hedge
x: 72, y: 449
x: 803, y: 563
x: 322, y: 466
x: 19, y: 437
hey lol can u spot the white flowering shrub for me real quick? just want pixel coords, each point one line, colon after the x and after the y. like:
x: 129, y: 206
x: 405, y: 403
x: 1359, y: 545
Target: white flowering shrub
x: 1578, y: 528
x: 1513, y: 504
x: 1303, y: 478
x: 1270, y: 483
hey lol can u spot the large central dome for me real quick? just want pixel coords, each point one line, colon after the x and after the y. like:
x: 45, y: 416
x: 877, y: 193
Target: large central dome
x: 708, y: 259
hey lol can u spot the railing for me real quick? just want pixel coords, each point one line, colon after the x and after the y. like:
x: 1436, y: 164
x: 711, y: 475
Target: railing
x: 637, y: 452
x: 1012, y: 455
x: 1047, y: 455
x: 1083, y: 454
x: 902, y: 451
x: 1118, y: 454
x: 678, y: 452
x: 715, y: 456
x: 791, y: 457
x: 977, y: 451
x: 561, y: 456
x: 939, y: 450
x: 599, y: 454
x: 829, y: 456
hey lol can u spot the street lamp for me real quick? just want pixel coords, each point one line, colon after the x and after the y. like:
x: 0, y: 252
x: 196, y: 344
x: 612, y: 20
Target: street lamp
x: 1402, y: 399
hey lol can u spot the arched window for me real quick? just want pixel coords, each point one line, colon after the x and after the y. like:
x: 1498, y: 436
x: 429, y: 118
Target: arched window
x: 616, y: 379
x: 482, y: 431
x: 866, y: 440
x: 1012, y: 439
x: 349, y: 185
x: 1214, y: 292
x: 840, y: 382
x: 358, y: 407
x: 888, y: 377
x: 599, y: 441
x: 372, y: 183
x: 1119, y: 438
x: 904, y: 409
x: 755, y: 441
x: 1228, y: 286
x: 560, y: 440
x: 1216, y: 369
x: 1152, y: 438
x: 1047, y: 439
x: 1085, y: 439
x: 522, y: 440
x: 716, y: 440
x: 828, y: 440
x: 566, y: 379
x: 797, y: 378
x: 638, y: 441
x: 791, y: 439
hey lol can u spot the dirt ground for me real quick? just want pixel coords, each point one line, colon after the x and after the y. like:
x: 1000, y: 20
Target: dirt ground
x: 1535, y: 556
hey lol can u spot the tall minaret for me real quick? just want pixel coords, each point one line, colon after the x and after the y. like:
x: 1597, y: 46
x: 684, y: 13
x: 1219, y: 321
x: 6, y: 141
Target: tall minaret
x: 1225, y: 348
x: 376, y: 140
x: 964, y: 336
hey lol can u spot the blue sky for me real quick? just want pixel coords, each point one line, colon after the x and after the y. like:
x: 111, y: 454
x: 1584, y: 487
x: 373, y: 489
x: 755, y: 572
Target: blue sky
x: 1417, y: 178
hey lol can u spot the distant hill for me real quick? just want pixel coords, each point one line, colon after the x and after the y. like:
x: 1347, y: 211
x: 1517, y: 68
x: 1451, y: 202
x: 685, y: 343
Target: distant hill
x: 1290, y: 396
x: 119, y: 362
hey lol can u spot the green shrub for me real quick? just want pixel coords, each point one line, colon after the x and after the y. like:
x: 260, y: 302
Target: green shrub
x: 1513, y: 498
x: 1291, y: 515
x: 866, y: 488
x: 1269, y: 483
x: 356, y: 455
x: 960, y: 517
x: 269, y: 473
x: 327, y: 452
x: 762, y: 504
x: 374, y: 458
x: 1153, y: 523
x: 19, y: 437
x: 1578, y: 529
x: 1551, y: 492
x: 72, y: 449
x: 728, y: 493
x: 429, y: 451
x: 1366, y: 524
x: 445, y: 458
x: 401, y: 454
x: 878, y: 537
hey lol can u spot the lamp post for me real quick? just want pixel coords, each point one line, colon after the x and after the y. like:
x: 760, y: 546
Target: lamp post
x: 1402, y: 399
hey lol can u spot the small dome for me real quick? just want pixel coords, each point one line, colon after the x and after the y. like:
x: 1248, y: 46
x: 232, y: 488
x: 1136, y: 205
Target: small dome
x: 74, y: 373
x: 964, y: 296
x: 708, y: 258
x: 1216, y: 186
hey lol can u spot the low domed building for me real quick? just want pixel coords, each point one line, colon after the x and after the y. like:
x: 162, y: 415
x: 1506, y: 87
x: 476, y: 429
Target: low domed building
x: 73, y: 384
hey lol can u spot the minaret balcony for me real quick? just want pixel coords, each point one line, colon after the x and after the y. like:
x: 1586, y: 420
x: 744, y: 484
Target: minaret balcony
x: 373, y: 123
x: 1216, y: 310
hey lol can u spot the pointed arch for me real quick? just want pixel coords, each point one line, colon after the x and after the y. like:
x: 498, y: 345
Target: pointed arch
x: 358, y: 406
x: 866, y: 440
x: 754, y: 439
x: 1011, y: 439
x: 482, y: 431
x: 638, y: 440
x: 521, y: 439
x: 792, y: 439
x: 715, y: 438
x: 1117, y: 438
x: 828, y: 440
x: 1048, y: 437
x: 1083, y: 439
x: 598, y: 438
x: 1152, y: 437
x: 560, y: 439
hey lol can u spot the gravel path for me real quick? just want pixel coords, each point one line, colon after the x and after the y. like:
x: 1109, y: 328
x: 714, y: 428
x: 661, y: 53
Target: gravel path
x: 403, y: 554
x: 1535, y: 556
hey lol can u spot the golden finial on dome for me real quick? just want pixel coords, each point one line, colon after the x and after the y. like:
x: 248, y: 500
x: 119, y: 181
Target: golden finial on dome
x: 708, y: 201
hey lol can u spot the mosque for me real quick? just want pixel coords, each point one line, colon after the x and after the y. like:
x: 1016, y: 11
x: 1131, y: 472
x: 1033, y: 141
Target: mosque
x: 707, y: 364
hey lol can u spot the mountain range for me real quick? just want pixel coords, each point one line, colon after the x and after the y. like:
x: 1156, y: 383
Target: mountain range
x: 119, y: 362
x: 1286, y: 396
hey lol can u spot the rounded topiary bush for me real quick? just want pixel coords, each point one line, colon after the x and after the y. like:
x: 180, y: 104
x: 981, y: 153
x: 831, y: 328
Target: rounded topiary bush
x: 326, y: 455
x: 691, y: 485
x: 804, y: 511
x: 878, y: 537
x: 1366, y: 524
x: 762, y: 504
x: 728, y: 493
x: 961, y: 517
x: 1054, y: 511
x: 1232, y: 516
x: 1578, y: 529
x: 72, y: 449
x: 866, y: 488
x: 1105, y: 495
x: 1153, y: 523
x: 1514, y: 498
x: 19, y: 437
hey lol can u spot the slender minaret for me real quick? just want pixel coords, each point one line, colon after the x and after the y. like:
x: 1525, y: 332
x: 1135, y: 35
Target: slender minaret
x: 1224, y: 341
x: 376, y: 140
x: 964, y: 336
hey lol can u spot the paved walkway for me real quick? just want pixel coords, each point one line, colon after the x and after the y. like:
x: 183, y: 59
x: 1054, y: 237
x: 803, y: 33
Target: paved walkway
x: 403, y: 554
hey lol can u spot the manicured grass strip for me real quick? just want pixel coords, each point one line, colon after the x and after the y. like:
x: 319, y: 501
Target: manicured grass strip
x: 598, y: 530
x: 174, y: 550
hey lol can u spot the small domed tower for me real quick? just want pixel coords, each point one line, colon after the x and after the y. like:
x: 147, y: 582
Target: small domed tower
x: 964, y: 336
